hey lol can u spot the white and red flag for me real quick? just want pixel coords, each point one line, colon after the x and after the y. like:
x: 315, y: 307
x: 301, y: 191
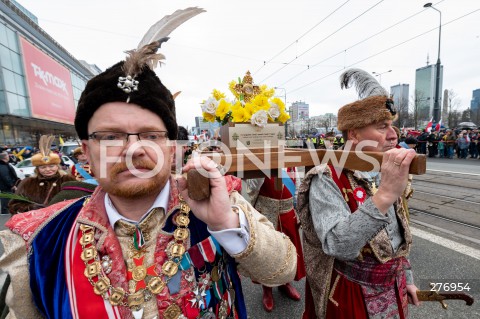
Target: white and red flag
x: 429, y: 126
x: 438, y: 126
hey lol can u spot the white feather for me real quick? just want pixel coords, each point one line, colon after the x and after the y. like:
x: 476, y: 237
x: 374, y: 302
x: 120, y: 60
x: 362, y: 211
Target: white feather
x: 365, y: 83
x: 167, y: 24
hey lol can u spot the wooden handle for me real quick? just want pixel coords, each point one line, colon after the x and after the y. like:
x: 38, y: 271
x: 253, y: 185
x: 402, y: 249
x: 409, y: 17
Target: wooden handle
x: 257, y: 163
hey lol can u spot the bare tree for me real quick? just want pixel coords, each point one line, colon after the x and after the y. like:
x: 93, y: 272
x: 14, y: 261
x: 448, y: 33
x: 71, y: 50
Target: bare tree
x: 466, y: 116
x: 454, y: 113
x: 415, y: 106
x: 403, y: 115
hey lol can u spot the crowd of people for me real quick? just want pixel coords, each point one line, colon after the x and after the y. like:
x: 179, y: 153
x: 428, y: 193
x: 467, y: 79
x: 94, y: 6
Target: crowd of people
x: 450, y: 143
x: 447, y: 143
x: 142, y: 246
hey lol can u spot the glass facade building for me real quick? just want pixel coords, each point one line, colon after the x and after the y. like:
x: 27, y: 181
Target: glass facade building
x: 425, y: 90
x: 40, y: 82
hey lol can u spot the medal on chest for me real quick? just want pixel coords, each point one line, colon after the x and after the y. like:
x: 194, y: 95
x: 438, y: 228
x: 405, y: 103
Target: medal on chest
x: 144, y: 280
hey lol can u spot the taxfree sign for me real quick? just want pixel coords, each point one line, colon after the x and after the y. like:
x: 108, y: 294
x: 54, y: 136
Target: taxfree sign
x: 49, y: 86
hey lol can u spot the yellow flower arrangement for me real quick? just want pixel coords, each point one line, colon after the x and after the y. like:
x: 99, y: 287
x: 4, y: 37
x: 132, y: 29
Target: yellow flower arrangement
x: 252, y: 103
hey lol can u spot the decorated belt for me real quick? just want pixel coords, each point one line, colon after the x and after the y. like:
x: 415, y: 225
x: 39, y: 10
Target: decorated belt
x: 267, y: 204
x: 370, y: 272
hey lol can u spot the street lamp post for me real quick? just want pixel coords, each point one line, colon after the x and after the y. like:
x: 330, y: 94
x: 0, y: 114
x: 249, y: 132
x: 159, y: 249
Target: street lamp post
x: 285, y: 101
x: 436, y: 105
x: 380, y: 74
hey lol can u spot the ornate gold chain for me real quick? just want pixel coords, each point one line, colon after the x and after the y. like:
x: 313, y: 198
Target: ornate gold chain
x: 117, y: 295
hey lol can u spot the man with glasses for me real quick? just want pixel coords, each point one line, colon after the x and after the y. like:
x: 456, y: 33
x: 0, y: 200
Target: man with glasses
x: 139, y: 246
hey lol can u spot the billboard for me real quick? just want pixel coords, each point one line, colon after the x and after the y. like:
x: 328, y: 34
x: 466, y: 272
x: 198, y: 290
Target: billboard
x: 49, y: 85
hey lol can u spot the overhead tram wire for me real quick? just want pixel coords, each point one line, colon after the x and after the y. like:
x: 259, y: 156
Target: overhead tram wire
x: 382, y: 51
x: 309, y: 30
x: 346, y: 24
x: 350, y: 47
x: 309, y: 67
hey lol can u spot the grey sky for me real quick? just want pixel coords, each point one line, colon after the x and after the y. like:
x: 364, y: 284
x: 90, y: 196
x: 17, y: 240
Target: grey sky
x: 306, y: 42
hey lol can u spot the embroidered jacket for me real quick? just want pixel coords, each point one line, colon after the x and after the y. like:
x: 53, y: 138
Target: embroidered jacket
x: 319, y: 265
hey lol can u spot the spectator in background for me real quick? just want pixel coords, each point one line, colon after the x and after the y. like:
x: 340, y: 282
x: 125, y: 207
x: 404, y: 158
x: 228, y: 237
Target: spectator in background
x: 399, y: 142
x: 411, y: 141
x: 422, y: 143
x: 441, y: 147
x: 432, y: 142
x: 8, y: 180
x: 473, y: 144
x: 462, y: 145
x: 450, y: 143
x: 81, y: 170
x: 39, y: 189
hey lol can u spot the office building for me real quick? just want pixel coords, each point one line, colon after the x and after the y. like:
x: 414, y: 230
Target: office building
x: 475, y: 106
x: 425, y: 79
x: 400, y: 95
x: 300, y: 111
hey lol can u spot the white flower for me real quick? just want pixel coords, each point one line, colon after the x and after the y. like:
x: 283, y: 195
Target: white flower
x: 274, y: 111
x: 259, y: 118
x: 210, y: 105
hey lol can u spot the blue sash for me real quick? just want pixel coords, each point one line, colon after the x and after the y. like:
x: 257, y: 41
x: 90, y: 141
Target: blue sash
x: 47, y: 267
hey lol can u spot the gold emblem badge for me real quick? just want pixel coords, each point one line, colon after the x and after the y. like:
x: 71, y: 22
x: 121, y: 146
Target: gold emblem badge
x: 214, y: 274
x: 156, y: 285
x: 172, y: 312
x: 101, y: 286
x: 169, y: 268
x: 117, y: 296
x: 88, y: 254
x: 182, y: 220
x: 180, y: 233
x: 135, y: 299
x: 92, y: 269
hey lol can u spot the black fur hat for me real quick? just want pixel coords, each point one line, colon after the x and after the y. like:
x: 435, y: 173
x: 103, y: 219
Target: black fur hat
x: 103, y: 88
x: 133, y: 80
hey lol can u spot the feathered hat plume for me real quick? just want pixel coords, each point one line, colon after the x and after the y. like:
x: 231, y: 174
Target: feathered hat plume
x: 146, y: 52
x: 135, y: 79
x: 375, y: 104
x: 45, y: 156
x: 365, y: 84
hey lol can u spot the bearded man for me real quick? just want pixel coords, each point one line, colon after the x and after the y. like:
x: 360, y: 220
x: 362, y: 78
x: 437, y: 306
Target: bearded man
x: 139, y: 247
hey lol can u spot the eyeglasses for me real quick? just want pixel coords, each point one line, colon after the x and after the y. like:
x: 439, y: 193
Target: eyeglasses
x: 152, y: 136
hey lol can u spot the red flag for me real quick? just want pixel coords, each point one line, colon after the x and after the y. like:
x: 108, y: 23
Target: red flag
x: 429, y: 126
x: 439, y: 124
